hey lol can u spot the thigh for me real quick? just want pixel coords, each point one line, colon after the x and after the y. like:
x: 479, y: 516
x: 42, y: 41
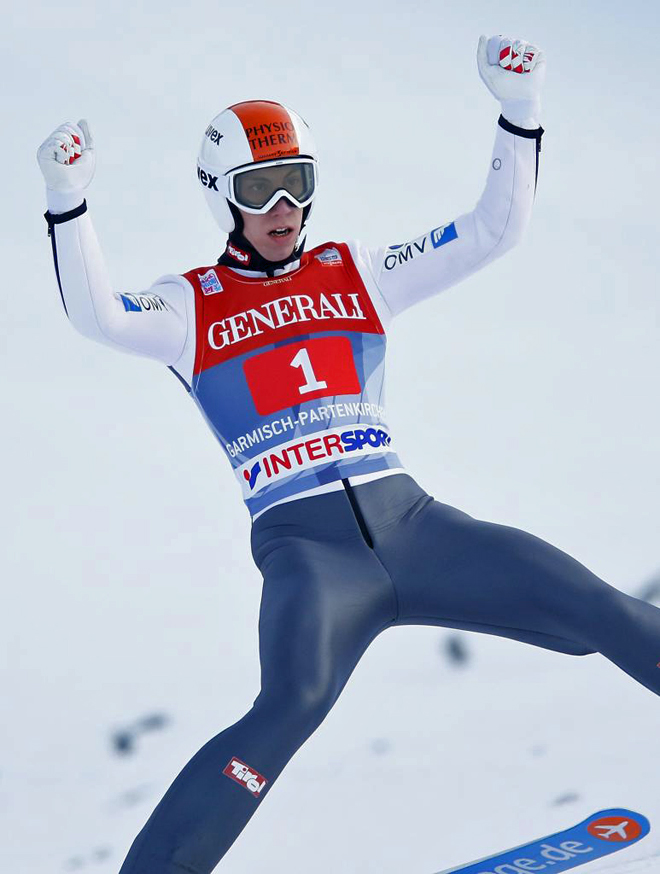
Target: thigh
x: 451, y: 569
x: 323, y: 602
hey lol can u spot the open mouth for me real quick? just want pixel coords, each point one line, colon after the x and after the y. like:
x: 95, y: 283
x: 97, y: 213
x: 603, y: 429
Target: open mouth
x: 280, y: 233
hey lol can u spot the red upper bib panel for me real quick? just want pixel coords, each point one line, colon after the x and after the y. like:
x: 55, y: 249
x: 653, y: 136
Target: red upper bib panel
x: 237, y: 314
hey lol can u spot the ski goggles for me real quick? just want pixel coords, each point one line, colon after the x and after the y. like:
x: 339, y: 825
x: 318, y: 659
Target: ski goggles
x: 256, y: 189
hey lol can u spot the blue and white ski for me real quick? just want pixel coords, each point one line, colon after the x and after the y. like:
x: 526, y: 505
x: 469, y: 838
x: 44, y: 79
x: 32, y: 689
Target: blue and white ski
x: 599, y: 835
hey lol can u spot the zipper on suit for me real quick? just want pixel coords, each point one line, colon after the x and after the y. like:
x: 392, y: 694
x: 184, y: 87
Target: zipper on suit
x: 358, y: 513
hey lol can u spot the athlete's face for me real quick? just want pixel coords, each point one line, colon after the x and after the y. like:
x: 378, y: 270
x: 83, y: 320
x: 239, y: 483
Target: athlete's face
x: 274, y: 233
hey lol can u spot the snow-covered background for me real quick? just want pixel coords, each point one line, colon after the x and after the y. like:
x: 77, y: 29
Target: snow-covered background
x: 526, y: 396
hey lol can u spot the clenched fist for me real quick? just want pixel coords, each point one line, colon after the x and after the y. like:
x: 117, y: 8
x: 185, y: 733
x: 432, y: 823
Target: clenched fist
x: 67, y: 158
x: 513, y: 71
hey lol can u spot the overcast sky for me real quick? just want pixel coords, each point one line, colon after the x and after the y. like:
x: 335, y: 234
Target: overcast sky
x: 528, y: 395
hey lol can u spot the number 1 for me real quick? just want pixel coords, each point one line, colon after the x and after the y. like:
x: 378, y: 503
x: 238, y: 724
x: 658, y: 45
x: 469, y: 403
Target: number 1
x: 302, y: 360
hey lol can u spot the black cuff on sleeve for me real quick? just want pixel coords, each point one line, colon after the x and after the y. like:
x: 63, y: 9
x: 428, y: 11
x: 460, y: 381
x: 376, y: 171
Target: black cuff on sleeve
x: 520, y: 131
x: 60, y: 218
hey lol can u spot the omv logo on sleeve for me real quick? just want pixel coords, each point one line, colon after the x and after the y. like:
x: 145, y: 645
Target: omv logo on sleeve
x: 400, y: 253
x: 289, y: 458
x: 141, y: 303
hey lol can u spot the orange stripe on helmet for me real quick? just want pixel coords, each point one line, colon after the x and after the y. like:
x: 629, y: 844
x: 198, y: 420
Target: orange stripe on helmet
x: 269, y: 129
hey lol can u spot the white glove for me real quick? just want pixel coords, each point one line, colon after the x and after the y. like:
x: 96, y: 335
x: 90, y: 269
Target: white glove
x: 513, y: 71
x: 67, y: 160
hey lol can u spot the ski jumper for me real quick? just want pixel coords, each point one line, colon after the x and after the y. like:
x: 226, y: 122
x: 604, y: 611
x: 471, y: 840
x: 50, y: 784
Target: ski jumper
x: 288, y: 372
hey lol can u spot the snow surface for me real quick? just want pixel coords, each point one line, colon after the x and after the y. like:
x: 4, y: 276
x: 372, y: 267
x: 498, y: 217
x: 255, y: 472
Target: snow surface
x: 128, y: 587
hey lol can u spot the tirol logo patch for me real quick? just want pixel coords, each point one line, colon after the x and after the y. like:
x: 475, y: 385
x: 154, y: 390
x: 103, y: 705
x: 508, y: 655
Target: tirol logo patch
x: 210, y: 282
x: 249, y: 779
x: 238, y: 254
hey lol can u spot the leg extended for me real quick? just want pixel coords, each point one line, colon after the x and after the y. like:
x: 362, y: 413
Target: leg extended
x: 450, y: 569
x: 322, y: 605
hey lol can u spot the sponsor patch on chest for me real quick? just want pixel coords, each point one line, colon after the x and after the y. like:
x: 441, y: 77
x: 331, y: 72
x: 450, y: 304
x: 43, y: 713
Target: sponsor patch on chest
x: 210, y: 283
x: 330, y: 257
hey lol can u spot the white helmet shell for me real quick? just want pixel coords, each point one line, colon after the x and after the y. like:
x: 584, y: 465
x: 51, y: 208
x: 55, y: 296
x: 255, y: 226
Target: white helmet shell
x: 248, y: 133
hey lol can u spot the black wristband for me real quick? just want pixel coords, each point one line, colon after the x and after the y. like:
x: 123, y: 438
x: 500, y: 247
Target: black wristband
x: 520, y: 131
x: 62, y: 217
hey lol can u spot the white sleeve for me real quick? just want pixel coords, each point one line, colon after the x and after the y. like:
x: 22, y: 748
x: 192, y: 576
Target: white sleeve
x: 152, y: 323
x: 409, y: 273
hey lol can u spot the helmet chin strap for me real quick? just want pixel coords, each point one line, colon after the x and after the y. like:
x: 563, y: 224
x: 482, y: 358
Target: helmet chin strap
x: 240, y: 252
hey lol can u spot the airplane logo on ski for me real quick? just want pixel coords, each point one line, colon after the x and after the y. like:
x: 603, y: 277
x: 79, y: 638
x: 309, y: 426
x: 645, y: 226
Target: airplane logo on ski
x: 612, y: 828
x: 609, y: 830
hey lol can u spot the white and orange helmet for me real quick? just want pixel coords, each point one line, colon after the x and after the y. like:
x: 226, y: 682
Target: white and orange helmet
x: 263, y: 133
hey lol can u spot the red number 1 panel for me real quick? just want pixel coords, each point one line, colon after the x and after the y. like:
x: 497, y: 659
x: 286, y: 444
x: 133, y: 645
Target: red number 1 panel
x: 298, y: 372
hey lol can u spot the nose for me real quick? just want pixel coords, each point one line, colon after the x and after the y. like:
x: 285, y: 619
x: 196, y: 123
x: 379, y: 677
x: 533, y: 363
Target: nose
x: 282, y: 207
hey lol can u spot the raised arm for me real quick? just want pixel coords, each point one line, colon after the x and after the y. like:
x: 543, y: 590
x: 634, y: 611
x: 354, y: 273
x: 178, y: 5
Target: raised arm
x: 151, y: 322
x: 406, y: 274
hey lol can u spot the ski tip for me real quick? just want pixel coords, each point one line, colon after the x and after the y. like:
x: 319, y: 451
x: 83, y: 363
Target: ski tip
x: 600, y: 834
x: 621, y: 813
